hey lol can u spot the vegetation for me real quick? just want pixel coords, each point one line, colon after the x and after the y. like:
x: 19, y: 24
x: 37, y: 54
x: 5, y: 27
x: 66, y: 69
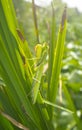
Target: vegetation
x: 40, y: 89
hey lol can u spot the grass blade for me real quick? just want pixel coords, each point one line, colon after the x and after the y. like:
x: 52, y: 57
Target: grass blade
x: 58, y: 55
x: 52, y: 47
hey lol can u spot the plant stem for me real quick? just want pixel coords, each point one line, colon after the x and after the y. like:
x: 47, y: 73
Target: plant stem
x: 35, y: 20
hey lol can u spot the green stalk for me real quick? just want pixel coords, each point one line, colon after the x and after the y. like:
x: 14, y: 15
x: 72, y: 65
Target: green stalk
x: 58, y: 55
x: 52, y: 47
x: 35, y: 21
x: 72, y: 107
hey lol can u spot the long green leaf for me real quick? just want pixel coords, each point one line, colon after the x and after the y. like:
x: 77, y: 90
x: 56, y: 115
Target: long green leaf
x: 58, y: 55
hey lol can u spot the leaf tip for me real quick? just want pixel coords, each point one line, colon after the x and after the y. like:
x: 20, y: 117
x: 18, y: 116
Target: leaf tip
x: 64, y: 16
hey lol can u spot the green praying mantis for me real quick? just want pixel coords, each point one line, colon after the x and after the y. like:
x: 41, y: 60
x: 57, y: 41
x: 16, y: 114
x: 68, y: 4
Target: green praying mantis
x: 39, y: 62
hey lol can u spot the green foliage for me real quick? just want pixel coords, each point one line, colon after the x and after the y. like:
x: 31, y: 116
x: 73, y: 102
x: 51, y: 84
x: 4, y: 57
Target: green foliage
x: 35, y: 93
